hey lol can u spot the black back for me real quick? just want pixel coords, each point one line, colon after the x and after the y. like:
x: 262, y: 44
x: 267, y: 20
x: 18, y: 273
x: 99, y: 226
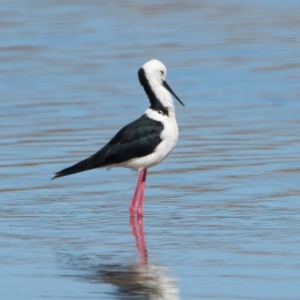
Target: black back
x: 137, y: 139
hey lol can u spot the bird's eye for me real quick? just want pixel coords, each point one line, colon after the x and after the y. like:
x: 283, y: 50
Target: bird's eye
x: 162, y: 72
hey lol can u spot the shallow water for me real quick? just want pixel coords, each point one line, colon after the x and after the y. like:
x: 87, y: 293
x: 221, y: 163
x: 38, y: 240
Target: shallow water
x: 221, y: 212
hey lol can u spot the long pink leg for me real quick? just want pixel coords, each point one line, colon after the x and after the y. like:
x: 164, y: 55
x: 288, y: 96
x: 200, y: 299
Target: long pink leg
x: 142, y: 190
x: 136, y: 194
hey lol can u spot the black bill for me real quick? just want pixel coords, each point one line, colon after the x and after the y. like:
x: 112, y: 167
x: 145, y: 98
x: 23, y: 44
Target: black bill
x: 171, y: 91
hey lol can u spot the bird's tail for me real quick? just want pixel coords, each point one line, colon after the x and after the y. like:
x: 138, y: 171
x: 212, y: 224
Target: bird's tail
x: 83, y: 165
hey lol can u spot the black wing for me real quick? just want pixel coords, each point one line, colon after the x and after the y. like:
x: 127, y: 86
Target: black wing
x: 137, y: 139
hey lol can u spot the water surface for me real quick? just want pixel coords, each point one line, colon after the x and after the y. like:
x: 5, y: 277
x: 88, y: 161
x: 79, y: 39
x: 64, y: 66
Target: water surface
x: 221, y: 212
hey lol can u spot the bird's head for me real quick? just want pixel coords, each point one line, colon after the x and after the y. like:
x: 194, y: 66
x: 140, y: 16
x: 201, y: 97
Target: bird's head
x: 156, y: 71
x: 152, y: 76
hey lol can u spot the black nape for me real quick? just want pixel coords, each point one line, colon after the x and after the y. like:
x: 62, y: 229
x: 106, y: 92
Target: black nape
x: 154, y: 101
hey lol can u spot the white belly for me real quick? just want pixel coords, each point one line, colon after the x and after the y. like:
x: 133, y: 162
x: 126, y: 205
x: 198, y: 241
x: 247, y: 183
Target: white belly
x: 169, y: 137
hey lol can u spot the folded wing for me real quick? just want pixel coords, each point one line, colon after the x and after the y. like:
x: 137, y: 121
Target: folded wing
x: 137, y: 139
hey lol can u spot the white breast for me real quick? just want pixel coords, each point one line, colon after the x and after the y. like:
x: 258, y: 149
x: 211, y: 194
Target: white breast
x: 169, y: 137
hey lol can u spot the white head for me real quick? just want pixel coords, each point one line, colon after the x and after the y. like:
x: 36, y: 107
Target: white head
x: 152, y: 77
x: 156, y: 71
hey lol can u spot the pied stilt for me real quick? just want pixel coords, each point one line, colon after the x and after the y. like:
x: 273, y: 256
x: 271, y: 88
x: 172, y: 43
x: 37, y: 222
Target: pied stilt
x: 146, y: 141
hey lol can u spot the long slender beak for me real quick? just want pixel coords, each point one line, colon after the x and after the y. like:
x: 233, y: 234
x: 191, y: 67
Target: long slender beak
x: 171, y: 91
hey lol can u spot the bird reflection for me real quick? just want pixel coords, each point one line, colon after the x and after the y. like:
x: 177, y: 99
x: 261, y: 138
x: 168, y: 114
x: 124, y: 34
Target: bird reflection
x: 137, y: 230
x: 134, y: 281
x: 140, y: 280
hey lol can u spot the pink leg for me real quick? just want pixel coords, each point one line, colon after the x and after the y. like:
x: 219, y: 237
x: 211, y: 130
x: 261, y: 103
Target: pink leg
x: 142, y: 190
x: 136, y: 194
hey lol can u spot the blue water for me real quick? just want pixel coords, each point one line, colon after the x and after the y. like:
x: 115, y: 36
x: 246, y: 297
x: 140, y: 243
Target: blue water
x: 222, y: 212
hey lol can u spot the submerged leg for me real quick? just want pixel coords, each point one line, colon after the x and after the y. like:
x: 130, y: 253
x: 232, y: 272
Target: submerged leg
x: 142, y: 190
x: 136, y: 194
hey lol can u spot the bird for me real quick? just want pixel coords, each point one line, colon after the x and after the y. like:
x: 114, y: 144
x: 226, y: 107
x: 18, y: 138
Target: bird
x: 144, y: 142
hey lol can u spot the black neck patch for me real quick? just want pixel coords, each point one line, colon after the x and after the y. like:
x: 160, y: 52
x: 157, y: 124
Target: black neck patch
x: 155, y: 103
